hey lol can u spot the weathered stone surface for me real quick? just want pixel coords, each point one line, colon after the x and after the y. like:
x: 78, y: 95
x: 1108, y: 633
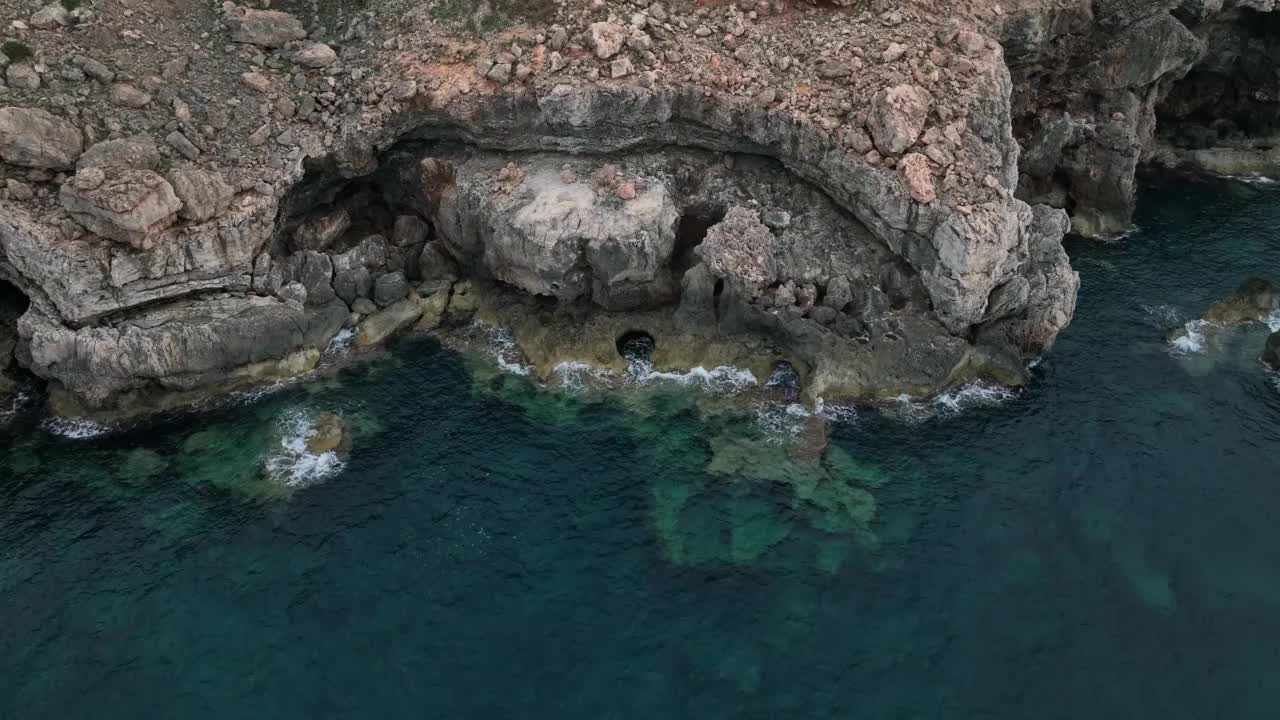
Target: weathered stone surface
x: 897, y: 117
x: 22, y: 76
x: 560, y: 239
x: 741, y: 247
x: 389, y: 288
x: 919, y: 177
x: 315, y: 271
x: 89, y: 277
x: 410, y: 230
x: 180, y: 346
x: 204, y: 195
x: 268, y: 28
x: 353, y: 270
x: 137, y: 151
x: 126, y: 95
x: 606, y: 39
x: 315, y: 55
x: 319, y: 231
x: 386, y: 322
x: 33, y: 138
x: 131, y: 206
x: 50, y: 17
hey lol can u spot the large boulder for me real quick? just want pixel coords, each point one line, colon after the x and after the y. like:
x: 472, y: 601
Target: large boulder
x: 1255, y: 299
x: 130, y: 206
x: 204, y: 195
x: 268, y: 28
x: 353, y: 270
x: 897, y: 117
x: 137, y: 151
x: 388, y: 321
x: 741, y: 247
x: 315, y: 271
x: 34, y: 138
x: 551, y: 235
x: 319, y: 230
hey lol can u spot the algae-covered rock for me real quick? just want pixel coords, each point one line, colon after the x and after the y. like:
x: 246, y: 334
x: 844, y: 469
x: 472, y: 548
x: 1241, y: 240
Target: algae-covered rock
x: 329, y: 434
x: 1255, y: 299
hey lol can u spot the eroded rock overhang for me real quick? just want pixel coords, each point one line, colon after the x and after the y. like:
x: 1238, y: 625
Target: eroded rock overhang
x: 167, y: 311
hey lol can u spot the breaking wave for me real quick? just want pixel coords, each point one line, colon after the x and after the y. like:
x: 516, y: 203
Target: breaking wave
x: 949, y: 404
x: 74, y: 428
x: 339, y: 344
x: 724, y: 377
x: 1252, y: 179
x: 1193, y: 341
x: 292, y: 464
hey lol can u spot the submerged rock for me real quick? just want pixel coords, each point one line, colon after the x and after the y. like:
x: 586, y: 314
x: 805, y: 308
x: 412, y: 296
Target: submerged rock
x: 1255, y: 299
x: 329, y: 434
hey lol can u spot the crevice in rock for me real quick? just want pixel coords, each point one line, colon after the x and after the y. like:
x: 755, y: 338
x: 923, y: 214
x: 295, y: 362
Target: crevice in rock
x: 13, y: 303
x: 690, y: 233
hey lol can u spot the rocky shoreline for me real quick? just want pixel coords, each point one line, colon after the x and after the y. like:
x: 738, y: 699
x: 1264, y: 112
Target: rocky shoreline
x: 196, y: 200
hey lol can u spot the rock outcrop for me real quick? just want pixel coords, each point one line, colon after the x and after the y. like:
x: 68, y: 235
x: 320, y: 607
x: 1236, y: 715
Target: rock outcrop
x: 878, y: 196
x: 1101, y: 87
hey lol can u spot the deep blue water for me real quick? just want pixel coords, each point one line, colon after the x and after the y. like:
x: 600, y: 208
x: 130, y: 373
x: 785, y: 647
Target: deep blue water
x: 1104, y: 545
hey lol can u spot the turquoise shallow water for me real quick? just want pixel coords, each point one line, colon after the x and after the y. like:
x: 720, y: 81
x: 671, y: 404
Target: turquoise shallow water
x: 1102, y: 545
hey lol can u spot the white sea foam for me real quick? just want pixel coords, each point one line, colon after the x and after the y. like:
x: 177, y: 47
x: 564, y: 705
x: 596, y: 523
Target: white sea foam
x: 1165, y: 316
x: 723, y: 377
x: 340, y: 344
x: 975, y: 394
x: 950, y: 403
x: 1252, y: 179
x: 74, y: 428
x: 14, y: 404
x: 293, y: 465
x: 501, y: 344
x: 574, y: 375
x: 1273, y: 321
x: 1194, y: 340
x: 788, y: 419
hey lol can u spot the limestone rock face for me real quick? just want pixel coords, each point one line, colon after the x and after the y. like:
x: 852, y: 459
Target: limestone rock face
x: 204, y: 195
x: 33, y: 138
x: 740, y: 247
x: 268, y: 28
x: 565, y: 240
x: 180, y: 346
x: 130, y: 206
x: 897, y: 117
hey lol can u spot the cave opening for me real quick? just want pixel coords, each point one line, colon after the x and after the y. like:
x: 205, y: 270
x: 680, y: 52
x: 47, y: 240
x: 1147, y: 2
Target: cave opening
x: 690, y: 232
x: 13, y: 303
x: 636, y: 346
x: 1232, y: 95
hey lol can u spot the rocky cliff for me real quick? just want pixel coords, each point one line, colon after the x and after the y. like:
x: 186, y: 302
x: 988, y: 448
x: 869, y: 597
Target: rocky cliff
x: 196, y: 198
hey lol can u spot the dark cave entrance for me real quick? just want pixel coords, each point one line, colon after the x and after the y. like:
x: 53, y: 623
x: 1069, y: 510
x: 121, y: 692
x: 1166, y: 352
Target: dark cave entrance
x: 690, y: 233
x: 1228, y: 98
x: 13, y: 303
x: 636, y: 346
